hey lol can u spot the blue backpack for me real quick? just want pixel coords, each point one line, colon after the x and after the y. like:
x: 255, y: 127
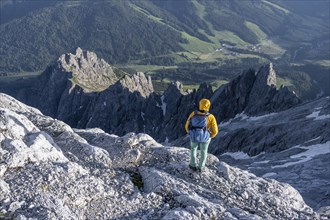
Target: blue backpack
x: 198, y: 128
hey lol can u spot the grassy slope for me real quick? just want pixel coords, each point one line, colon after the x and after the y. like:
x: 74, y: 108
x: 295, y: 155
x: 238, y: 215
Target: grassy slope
x: 50, y: 32
x: 270, y: 26
x: 199, y: 51
x: 193, y: 44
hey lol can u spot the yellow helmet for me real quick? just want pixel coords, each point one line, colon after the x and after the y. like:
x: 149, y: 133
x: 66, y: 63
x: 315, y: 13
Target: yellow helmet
x: 204, y: 104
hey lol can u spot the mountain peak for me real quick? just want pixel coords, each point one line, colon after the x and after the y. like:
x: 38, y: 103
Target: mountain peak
x: 88, y: 71
x: 175, y: 88
x: 267, y: 75
x: 138, y: 82
x: 265, y: 98
x: 264, y: 81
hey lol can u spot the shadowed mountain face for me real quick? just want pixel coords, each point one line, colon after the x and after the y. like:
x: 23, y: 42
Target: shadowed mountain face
x: 82, y: 90
x: 53, y: 171
x: 291, y: 146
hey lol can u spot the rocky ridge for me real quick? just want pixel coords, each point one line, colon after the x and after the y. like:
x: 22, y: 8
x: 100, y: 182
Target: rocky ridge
x: 50, y: 170
x: 88, y: 71
x: 64, y: 88
x: 291, y: 146
x: 132, y: 98
x: 253, y: 93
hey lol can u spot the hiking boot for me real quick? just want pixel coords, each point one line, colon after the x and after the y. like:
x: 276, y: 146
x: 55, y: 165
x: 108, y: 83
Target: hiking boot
x: 193, y: 168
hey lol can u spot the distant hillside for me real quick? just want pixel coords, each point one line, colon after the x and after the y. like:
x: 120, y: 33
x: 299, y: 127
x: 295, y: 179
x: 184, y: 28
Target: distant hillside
x: 33, y: 33
x: 13, y: 9
x: 314, y: 8
x: 192, y: 41
x: 109, y: 28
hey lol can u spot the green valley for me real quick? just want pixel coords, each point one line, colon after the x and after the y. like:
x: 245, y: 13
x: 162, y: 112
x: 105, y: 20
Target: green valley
x: 191, y: 41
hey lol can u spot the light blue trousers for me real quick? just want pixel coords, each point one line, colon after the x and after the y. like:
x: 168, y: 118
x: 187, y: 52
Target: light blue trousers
x: 193, y: 153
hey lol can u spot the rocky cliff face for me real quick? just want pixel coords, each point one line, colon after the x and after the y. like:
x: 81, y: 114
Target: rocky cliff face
x: 292, y: 146
x: 80, y: 90
x: 264, y: 98
x: 177, y: 105
x: 253, y: 93
x: 129, y: 105
x: 64, y: 89
x: 51, y: 171
x: 232, y: 98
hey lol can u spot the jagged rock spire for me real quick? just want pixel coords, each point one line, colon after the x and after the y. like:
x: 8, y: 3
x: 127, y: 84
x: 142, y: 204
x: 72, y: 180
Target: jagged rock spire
x: 138, y: 82
x: 265, y: 98
x: 88, y: 71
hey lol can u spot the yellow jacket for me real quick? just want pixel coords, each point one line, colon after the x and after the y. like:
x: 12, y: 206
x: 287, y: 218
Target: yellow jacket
x: 211, y: 123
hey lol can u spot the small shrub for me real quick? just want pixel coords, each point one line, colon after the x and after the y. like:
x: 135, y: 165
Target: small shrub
x: 136, y: 179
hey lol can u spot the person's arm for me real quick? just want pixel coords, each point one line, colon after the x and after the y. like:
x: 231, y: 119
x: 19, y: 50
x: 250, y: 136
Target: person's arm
x: 188, y: 120
x: 214, y: 126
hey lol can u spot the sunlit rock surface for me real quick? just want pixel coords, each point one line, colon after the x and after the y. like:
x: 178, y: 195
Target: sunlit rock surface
x: 50, y: 171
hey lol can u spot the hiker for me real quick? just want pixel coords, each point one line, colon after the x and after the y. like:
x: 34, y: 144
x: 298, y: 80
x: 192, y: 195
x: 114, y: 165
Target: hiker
x: 201, y: 126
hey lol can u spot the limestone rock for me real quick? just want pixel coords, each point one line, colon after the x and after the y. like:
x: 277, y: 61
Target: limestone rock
x: 88, y: 71
x: 92, y: 174
x: 275, y: 144
x: 138, y: 82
